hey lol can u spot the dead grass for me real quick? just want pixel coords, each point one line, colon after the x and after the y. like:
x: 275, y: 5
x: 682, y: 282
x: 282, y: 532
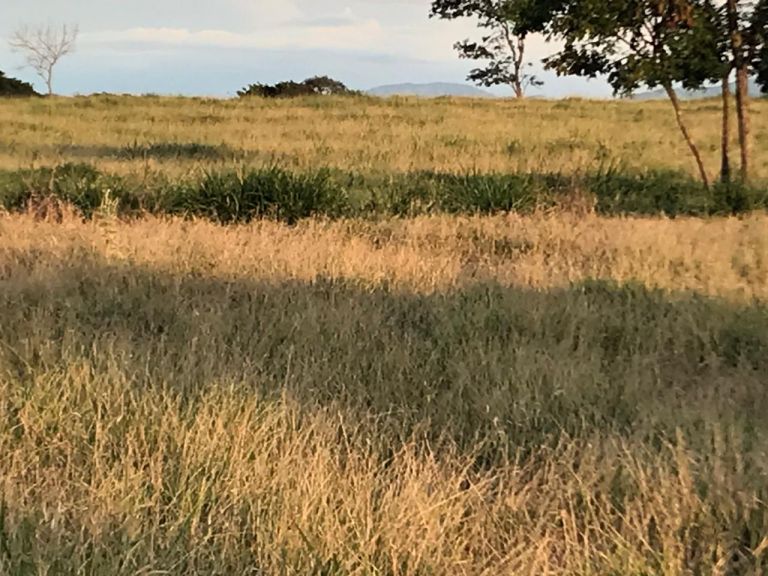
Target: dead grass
x: 724, y: 257
x: 430, y: 396
x: 118, y: 134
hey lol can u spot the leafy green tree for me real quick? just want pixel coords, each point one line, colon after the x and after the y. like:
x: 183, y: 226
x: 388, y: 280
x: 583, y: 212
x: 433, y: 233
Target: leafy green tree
x: 325, y: 86
x: 645, y: 43
x: 718, y: 18
x: 502, y: 48
x: 746, y: 24
x: 742, y: 38
x: 634, y: 43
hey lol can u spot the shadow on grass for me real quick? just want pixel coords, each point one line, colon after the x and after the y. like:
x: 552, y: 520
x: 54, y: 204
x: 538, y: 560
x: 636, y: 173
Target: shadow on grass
x: 488, y: 361
x: 508, y: 369
x: 162, y: 151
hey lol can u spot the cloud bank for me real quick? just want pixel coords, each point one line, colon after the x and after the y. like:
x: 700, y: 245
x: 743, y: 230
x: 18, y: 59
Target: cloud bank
x: 365, y: 42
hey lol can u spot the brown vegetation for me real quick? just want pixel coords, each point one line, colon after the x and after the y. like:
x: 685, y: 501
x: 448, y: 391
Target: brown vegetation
x: 367, y: 135
x: 429, y: 396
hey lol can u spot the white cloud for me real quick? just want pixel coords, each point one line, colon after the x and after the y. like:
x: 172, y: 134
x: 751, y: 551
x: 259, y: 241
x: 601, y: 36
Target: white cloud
x: 143, y: 32
x: 385, y: 27
x: 429, y: 40
x: 355, y: 36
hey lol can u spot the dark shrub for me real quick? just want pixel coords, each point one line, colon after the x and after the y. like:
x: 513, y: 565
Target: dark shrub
x: 671, y: 193
x: 14, y: 87
x: 176, y: 151
x: 316, y: 86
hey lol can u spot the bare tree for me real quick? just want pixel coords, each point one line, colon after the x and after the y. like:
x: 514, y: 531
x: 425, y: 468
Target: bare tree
x: 44, y: 47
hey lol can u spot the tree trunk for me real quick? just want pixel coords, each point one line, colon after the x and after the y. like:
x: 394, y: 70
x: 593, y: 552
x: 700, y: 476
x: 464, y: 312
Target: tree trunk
x: 742, y: 111
x: 742, y: 85
x: 49, y: 81
x: 517, y: 49
x: 725, y: 166
x: 520, y: 68
x: 686, y: 134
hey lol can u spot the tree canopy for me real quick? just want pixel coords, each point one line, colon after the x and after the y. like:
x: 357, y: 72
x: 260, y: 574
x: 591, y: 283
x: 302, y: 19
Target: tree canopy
x: 759, y: 42
x: 317, y: 85
x: 637, y: 44
x: 502, y: 48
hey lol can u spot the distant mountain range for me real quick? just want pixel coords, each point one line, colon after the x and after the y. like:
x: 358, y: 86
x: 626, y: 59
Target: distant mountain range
x: 433, y: 90
x: 711, y: 92
x: 438, y: 89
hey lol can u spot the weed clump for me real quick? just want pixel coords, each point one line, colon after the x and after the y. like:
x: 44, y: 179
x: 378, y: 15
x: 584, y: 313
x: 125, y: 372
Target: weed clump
x: 79, y: 185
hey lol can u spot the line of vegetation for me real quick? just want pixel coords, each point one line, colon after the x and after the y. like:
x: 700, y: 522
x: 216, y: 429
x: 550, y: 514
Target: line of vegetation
x: 232, y: 196
x: 315, y: 86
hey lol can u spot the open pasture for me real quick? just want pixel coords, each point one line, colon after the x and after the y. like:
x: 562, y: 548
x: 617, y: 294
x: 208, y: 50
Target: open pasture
x: 551, y: 392
x: 122, y: 134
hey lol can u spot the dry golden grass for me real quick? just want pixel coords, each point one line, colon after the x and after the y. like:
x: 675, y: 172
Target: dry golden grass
x: 723, y: 258
x: 559, y: 394
x: 429, y: 396
x: 367, y: 135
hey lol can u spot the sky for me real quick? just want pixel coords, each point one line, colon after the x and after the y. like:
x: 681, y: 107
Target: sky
x: 215, y: 47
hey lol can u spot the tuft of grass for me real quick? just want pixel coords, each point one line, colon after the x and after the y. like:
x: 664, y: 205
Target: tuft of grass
x: 80, y: 185
x: 232, y: 197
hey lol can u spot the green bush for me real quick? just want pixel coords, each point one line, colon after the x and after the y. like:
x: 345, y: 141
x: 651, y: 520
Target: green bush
x: 671, y: 193
x: 430, y: 192
x: 316, y: 86
x: 614, y: 193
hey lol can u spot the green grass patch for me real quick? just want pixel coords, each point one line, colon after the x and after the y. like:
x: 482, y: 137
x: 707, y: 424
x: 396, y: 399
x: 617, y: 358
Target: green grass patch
x: 273, y: 192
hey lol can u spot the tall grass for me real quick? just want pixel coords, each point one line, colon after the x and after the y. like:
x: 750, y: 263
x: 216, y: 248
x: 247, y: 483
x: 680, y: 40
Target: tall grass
x: 242, y: 195
x: 443, y: 395
x: 363, y: 337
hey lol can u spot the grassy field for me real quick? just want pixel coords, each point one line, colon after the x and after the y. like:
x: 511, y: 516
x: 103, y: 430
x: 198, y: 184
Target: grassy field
x: 556, y: 392
x: 364, y: 135
x: 353, y: 157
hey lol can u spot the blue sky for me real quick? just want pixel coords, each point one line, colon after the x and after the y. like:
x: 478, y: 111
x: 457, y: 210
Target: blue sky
x: 214, y: 47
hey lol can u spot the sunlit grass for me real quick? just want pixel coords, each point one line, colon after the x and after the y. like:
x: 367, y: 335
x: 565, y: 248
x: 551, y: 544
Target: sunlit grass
x: 509, y: 395
x: 388, y: 374
x: 363, y: 134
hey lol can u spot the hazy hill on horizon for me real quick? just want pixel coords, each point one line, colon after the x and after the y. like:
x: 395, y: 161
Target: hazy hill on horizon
x: 711, y: 92
x: 429, y: 90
